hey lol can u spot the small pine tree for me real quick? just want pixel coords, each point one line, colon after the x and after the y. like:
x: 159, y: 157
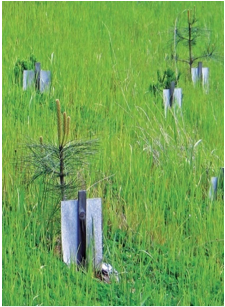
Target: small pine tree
x: 164, y: 81
x: 60, y: 162
x: 22, y: 65
x: 189, y: 36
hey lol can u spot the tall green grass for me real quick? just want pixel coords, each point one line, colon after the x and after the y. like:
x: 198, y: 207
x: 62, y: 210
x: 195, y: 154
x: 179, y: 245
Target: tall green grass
x: 160, y: 230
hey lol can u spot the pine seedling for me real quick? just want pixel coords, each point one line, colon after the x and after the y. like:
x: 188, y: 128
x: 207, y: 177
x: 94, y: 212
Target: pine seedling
x: 61, y: 162
x: 189, y: 36
x: 164, y: 81
x: 21, y: 65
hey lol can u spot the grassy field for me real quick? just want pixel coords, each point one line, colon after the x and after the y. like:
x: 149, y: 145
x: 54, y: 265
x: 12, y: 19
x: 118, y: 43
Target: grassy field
x: 160, y: 230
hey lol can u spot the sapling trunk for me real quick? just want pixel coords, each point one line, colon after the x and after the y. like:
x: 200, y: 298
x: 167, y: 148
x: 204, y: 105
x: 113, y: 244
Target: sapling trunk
x: 62, y: 175
x: 62, y: 141
x: 189, y: 41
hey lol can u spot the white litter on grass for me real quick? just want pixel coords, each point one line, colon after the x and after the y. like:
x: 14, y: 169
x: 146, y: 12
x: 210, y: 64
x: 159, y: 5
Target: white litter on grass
x: 106, y: 270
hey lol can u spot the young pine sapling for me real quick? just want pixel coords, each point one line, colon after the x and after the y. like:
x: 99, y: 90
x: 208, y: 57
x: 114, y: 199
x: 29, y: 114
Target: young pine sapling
x: 60, y: 162
x: 188, y: 37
